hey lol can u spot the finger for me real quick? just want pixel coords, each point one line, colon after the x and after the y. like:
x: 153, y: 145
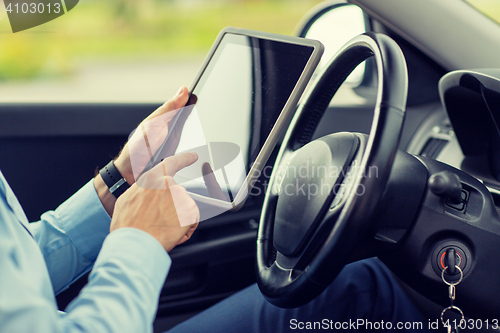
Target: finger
x: 192, y: 229
x: 213, y: 188
x: 188, y: 234
x: 178, y: 101
x: 185, y: 207
x: 175, y: 103
x: 172, y: 164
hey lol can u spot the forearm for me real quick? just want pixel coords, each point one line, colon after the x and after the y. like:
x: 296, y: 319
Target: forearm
x: 108, y: 200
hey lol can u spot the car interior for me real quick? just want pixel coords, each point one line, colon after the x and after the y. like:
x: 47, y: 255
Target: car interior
x: 422, y: 105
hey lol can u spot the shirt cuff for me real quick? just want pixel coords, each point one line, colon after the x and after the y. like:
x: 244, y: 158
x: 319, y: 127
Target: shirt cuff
x: 138, y: 250
x: 85, y: 220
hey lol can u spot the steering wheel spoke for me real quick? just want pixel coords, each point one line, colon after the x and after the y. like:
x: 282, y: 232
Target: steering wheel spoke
x: 279, y: 171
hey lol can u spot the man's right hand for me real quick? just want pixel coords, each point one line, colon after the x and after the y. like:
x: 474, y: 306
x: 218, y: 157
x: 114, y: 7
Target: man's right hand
x: 158, y: 206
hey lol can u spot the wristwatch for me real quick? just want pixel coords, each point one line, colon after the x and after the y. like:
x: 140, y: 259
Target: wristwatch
x: 113, y: 179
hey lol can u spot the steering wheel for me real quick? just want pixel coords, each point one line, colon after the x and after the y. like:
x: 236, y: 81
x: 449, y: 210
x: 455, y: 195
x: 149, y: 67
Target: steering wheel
x: 322, y: 193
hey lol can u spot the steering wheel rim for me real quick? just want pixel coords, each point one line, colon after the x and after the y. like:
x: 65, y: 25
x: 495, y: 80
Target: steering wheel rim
x: 296, y: 282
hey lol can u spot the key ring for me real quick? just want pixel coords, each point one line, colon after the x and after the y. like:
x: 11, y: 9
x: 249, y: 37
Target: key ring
x: 455, y: 283
x: 451, y: 307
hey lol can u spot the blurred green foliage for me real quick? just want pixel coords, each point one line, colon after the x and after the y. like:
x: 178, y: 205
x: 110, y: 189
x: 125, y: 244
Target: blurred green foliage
x: 135, y: 28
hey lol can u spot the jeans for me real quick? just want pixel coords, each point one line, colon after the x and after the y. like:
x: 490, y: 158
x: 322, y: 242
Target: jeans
x: 363, y: 297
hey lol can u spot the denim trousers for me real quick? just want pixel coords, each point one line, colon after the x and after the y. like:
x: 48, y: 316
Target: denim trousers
x: 364, y: 297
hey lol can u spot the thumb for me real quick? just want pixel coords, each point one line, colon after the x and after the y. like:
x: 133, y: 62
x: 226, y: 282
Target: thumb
x: 173, y: 104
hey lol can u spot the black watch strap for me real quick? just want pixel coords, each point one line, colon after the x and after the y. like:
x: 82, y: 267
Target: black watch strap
x: 113, y: 179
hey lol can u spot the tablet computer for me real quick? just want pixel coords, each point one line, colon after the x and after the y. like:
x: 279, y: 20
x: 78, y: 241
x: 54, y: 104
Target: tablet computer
x: 240, y: 105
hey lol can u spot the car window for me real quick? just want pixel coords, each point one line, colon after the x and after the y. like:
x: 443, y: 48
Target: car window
x: 126, y: 50
x: 490, y: 8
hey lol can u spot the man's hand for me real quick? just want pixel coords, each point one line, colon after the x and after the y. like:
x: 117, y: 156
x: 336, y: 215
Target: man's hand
x: 156, y: 128
x: 158, y: 206
x: 148, y: 137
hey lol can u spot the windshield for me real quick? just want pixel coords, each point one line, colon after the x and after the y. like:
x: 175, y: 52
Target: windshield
x: 490, y: 8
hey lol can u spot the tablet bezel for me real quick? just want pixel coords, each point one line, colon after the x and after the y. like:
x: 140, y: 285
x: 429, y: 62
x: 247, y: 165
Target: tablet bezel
x: 283, y: 119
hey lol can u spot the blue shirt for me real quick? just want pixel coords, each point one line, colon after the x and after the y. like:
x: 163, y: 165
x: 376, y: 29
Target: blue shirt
x: 38, y: 260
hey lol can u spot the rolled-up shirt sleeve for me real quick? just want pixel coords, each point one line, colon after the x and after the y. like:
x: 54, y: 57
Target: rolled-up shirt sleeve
x: 71, y: 236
